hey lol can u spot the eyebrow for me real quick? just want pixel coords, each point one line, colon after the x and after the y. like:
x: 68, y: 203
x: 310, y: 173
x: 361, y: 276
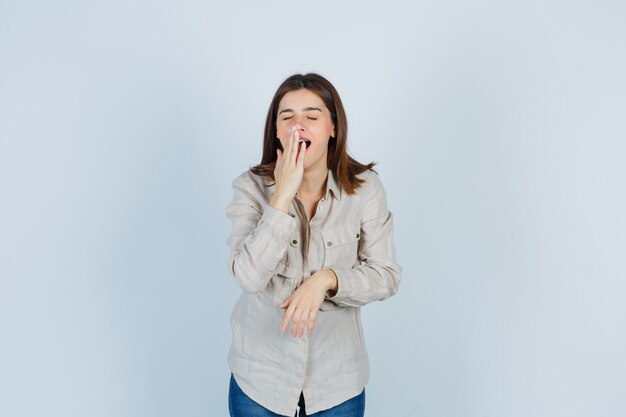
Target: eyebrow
x: 304, y: 109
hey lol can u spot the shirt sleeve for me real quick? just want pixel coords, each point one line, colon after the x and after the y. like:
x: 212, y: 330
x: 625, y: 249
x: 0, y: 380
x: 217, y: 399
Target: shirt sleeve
x: 379, y: 275
x: 259, y: 238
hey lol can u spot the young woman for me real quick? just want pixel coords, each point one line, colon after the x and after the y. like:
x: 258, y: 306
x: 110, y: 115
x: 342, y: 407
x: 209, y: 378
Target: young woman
x: 312, y: 242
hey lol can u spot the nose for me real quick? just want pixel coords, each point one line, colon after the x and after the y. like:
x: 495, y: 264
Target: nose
x: 297, y: 125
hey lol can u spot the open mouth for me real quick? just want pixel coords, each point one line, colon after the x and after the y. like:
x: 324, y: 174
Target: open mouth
x: 307, y: 142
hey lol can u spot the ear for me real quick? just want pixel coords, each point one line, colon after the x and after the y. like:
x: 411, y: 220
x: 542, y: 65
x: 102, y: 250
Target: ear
x: 332, y: 132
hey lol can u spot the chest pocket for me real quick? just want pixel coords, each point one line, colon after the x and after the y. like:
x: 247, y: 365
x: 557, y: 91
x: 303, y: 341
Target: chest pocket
x: 341, y: 246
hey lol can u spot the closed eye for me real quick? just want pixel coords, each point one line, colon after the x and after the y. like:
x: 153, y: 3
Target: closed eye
x: 312, y: 118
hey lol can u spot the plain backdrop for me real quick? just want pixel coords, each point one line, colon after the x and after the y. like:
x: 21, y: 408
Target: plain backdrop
x: 500, y: 136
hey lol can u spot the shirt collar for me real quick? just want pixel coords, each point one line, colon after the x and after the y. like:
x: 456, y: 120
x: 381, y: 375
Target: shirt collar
x: 331, y: 185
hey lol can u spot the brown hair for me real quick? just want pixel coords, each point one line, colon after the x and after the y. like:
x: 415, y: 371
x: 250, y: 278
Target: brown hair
x: 342, y: 165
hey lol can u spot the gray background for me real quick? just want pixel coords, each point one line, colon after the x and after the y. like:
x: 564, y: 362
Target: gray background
x: 499, y: 132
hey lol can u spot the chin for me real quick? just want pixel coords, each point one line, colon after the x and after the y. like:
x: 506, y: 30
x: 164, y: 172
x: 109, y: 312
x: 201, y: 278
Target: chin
x: 308, y: 164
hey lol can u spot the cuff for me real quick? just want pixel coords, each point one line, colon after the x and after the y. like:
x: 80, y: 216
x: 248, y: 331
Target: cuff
x: 282, y: 223
x: 344, y: 284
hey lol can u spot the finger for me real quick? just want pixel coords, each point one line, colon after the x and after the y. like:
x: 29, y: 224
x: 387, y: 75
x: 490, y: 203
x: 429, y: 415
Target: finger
x: 294, y: 147
x: 296, y: 136
x: 283, y: 325
x: 312, y: 321
x: 286, y: 318
x: 301, y: 153
x: 279, y: 157
x: 287, y: 146
x: 288, y: 143
x: 295, y: 321
x: 303, y: 322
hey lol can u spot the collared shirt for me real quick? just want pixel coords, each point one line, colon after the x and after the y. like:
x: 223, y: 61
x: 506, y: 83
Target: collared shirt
x: 272, y: 253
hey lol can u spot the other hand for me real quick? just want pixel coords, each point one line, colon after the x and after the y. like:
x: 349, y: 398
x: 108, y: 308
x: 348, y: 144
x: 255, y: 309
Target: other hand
x: 303, y: 305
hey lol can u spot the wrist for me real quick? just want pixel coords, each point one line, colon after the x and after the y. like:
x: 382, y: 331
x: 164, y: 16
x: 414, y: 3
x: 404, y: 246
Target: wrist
x: 332, y: 283
x: 280, y: 203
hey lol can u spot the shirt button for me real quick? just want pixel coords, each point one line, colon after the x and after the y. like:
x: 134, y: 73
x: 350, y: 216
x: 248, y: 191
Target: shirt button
x: 292, y: 215
x: 358, y: 235
x: 295, y: 242
x: 330, y: 243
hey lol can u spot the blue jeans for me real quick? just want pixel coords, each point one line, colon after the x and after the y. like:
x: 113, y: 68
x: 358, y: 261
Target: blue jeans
x: 240, y: 405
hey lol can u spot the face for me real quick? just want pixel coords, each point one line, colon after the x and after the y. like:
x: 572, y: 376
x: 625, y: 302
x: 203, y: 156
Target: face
x: 304, y: 110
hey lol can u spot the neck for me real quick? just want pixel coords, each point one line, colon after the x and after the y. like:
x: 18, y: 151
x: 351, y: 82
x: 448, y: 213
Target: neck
x: 314, y: 182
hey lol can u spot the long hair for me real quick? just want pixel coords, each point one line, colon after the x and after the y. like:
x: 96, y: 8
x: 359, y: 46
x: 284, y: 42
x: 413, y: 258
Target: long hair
x: 342, y: 165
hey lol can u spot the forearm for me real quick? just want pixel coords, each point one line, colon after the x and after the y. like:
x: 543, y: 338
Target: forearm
x: 255, y: 256
x: 365, y: 283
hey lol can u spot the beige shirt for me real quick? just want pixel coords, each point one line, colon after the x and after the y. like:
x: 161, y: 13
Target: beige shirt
x: 272, y: 253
